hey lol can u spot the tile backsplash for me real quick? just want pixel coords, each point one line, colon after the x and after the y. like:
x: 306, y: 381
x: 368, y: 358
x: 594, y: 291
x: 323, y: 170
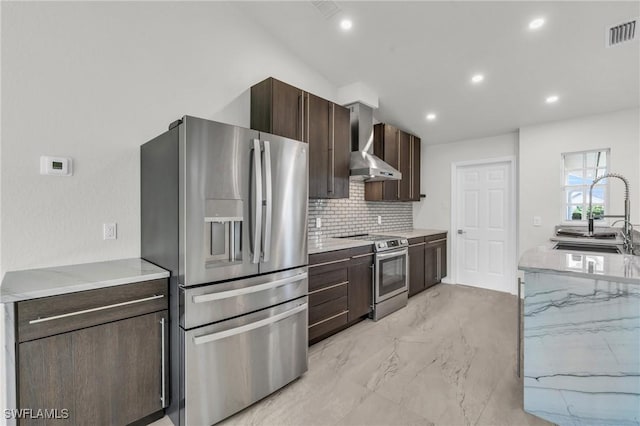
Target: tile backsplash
x: 343, y: 217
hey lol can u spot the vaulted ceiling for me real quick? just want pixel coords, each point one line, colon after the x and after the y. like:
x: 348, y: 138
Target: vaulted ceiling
x: 419, y: 58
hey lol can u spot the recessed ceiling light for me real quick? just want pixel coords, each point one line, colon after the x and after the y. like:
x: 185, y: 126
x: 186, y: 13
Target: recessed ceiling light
x: 431, y: 116
x: 536, y: 23
x: 346, y: 24
x: 477, y: 78
x: 552, y: 99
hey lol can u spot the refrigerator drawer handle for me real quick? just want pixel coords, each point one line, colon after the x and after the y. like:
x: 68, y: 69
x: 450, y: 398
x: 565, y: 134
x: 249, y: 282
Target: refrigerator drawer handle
x: 199, y: 340
x: 101, y: 308
x: 248, y: 290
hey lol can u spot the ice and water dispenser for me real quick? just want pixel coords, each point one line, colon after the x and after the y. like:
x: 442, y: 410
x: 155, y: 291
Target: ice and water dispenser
x: 223, y: 231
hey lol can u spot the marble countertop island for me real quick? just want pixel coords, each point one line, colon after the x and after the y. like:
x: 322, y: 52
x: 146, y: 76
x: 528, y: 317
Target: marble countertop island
x: 581, y: 336
x: 602, y: 266
x: 44, y: 282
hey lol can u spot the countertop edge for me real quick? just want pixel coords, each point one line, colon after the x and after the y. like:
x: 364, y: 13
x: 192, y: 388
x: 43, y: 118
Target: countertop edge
x: 345, y: 246
x: 12, y: 295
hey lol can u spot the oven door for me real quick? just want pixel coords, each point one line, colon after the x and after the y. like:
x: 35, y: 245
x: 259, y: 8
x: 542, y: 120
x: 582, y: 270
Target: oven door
x: 392, y: 269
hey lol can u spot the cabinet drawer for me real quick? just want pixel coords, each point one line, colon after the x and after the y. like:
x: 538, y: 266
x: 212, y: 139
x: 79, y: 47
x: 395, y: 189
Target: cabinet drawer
x: 328, y: 278
x: 327, y: 326
x: 433, y: 238
x: 327, y: 310
x: 327, y: 258
x: 417, y: 240
x: 359, y: 251
x: 329, y: 293
x: 58, y: 314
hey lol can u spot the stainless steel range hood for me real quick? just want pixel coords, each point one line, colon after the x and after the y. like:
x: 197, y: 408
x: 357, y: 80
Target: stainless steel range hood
x: 364, y: 165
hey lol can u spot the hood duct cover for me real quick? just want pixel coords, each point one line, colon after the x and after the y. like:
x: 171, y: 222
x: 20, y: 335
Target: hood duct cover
x: 364, y: 165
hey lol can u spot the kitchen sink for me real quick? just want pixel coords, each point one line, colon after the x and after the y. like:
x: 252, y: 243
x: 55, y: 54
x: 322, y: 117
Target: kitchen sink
x: 599, y: 248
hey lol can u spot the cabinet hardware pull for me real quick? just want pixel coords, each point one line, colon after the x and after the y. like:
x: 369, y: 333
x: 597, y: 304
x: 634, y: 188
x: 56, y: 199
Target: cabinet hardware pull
x: 101, y: 308
x: 248, y: 290
x: 437, y: 241
x: 329, y: 319
x: 162, y: 361
x: 328, y: 288
x: 328, y: 263
x: 361, y: 255
x: 198, y: 340
x: 439, y: 264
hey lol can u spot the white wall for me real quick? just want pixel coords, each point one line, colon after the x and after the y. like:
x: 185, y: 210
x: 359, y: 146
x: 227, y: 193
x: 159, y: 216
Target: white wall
x: 541, y: 147
x: 434, y: 211
x: 94, y: 81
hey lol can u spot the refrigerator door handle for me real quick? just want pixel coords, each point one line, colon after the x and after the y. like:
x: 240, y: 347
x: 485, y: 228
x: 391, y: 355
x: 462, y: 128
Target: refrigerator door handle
x: 257, y: 201
x: 266, y: 248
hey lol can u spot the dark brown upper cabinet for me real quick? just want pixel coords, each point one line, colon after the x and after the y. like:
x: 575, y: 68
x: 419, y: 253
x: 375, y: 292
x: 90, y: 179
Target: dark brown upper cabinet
x: 400, y: 150
x: 284, y: 110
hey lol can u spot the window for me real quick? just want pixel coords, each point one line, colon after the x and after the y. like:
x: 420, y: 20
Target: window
x: 579, y: 171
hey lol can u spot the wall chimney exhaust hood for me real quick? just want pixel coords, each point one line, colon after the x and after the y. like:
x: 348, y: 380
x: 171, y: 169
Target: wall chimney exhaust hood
x: 364, y: 165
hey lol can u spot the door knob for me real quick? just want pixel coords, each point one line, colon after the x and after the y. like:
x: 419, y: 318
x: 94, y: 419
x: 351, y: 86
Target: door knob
x: 460, y: 231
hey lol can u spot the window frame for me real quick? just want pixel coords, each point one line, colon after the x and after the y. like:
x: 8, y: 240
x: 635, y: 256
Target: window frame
x: 563, y: 185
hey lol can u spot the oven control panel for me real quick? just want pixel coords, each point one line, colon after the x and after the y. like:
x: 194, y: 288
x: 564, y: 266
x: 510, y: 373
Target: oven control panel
x: 391, y: 244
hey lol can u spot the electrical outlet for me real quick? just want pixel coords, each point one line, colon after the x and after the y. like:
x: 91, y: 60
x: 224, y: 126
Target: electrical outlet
x: 379, y: 220
x: 109, y: 231
x: 318, y: 222
x: 537, y: 221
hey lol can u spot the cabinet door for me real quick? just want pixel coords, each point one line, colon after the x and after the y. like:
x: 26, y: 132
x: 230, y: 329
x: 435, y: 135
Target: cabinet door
x: 318, y: 136
x: 416, y: 268
x: 430, y: 266
x: 107, y: 374
x: 441, y: 256
x: 341, y: 153
x: 360, y: 286
x: 287, y: 111
x: 390, y: 154
x: 415, y: 168
x: 404, y: 165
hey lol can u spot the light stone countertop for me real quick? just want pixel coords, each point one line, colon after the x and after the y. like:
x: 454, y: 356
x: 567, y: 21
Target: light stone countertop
x: 413, y: 233
x: 622, y: 268
x: 44, y: 282
x: 325, y: 244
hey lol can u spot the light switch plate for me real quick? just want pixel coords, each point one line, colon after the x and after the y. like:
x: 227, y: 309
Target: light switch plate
x: 537, y: 221
x: 318, y: 222
x: 379, y: 220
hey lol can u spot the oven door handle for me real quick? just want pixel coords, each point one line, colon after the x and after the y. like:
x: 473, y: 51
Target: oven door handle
x: 395, y: 253
x: 248, y: 327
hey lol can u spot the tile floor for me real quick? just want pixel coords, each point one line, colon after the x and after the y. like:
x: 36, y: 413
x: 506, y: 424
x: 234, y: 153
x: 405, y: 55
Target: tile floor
x: 448, y: 358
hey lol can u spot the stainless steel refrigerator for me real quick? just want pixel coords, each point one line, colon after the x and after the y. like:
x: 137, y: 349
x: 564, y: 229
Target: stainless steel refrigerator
x: 224, y: 209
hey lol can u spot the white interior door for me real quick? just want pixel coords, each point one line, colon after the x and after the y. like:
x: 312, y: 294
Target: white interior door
x: 485, y: 232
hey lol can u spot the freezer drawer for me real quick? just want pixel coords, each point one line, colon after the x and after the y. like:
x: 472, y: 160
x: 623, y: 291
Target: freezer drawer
x: 216, y: 302
x: 232, y: 364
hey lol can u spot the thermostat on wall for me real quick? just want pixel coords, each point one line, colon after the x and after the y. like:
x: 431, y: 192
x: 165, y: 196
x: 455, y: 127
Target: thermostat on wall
x: 56, y: 166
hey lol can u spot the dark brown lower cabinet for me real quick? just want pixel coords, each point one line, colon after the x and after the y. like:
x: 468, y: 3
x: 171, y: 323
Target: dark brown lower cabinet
x: 427, y: 262
x: 416, y: 267
x: 360, y: 286
x: 340, y: 290
x: 107, y: 374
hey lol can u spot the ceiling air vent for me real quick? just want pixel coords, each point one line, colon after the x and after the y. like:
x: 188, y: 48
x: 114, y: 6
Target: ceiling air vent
x: 622, y: 33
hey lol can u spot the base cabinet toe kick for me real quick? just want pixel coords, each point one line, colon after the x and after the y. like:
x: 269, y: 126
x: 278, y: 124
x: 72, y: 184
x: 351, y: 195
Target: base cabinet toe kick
x: 93, y: 357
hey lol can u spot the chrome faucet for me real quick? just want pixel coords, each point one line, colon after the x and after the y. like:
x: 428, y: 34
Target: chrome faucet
x: 628, y: 228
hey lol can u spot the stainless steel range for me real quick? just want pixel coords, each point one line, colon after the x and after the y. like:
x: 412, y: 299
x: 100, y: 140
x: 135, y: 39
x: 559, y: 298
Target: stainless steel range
x: 225, y: 210
x: 390, y: 282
